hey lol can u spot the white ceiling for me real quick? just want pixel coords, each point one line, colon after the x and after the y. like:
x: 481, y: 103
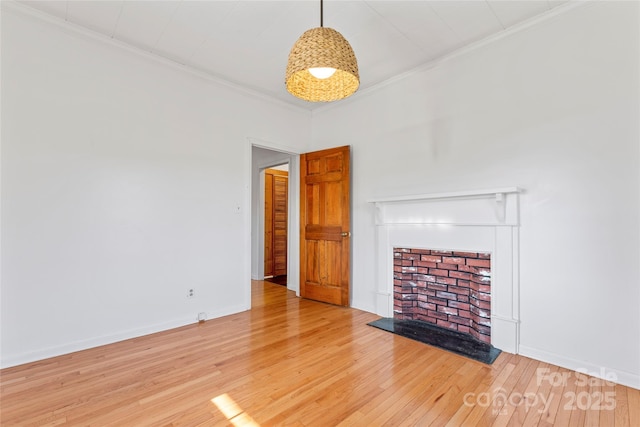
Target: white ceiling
x: 248, y: 42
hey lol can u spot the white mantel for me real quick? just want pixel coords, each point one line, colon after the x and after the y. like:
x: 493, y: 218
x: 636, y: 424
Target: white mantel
x: 468, y: 221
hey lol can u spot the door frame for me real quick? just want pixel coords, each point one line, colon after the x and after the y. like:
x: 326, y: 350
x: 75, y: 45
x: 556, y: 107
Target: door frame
x: 254, y: 209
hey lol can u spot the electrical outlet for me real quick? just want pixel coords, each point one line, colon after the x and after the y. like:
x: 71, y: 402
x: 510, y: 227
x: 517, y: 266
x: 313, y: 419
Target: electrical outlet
x: 191, y: 293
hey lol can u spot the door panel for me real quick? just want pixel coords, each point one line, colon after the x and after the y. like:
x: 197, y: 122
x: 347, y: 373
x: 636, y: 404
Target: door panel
x: 280, y: 209
x: 325, y: 225
x: 275, y: 223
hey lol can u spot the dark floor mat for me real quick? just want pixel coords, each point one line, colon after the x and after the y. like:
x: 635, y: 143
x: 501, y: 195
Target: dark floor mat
x: 453, y: 341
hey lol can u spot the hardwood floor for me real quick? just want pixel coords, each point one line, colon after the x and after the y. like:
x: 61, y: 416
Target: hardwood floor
x: 296, y: 362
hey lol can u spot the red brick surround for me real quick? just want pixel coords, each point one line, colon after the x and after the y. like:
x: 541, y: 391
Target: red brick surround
x: 448, y: 288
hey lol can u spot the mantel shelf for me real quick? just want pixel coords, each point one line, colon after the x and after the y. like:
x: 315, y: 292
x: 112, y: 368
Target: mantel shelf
x: 448, y: 195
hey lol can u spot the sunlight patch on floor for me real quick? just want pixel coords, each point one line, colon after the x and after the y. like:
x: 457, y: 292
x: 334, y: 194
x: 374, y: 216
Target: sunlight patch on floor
x: 233, y: 411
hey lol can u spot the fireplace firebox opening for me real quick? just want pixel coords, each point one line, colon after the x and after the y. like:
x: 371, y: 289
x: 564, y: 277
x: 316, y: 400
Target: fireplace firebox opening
x: 450, y: 289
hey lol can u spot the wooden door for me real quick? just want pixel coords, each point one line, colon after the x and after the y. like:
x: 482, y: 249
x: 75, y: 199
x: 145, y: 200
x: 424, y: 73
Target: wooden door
x: 325, y: 225
x: 276, y: 209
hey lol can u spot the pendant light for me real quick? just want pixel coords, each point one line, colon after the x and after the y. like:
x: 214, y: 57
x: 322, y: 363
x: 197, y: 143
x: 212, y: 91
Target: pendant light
x: 322, y: 66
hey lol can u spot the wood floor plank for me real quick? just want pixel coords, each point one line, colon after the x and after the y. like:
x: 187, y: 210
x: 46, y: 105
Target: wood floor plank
x: 502, y: 409
x: 483, y: 398
x: 476, y: 397
x: 425, y: 409
x: 297, y: 363
x: 421, y: 394
x: 537, y: 404
x: 573, y: 403
x: 460, y: 395
x: 633, y: 401
x: 592, y: 411
x: 607, y: 407
x: 566, y: 390
x: 554, y: 396
x: 621, y: 406
x: 384, y: 406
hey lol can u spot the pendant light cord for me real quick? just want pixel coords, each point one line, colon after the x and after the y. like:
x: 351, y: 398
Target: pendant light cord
x: 321, y: 14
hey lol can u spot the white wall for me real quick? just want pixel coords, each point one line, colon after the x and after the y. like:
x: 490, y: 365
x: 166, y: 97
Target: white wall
x: 121, y: 179
x: 553, y: 109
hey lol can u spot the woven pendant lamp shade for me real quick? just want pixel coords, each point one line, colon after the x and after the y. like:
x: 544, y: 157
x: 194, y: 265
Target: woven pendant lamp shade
x: 322, y: 47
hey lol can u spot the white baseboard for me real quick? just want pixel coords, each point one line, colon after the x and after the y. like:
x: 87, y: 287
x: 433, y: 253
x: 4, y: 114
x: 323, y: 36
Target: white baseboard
x: 34, y: 356
x: 362, y: 305
x: 628, y: 379
x: 504, y: 334
x: 382, y: 301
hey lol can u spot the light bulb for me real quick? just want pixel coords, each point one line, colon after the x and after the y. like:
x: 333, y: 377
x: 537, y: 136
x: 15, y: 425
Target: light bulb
x: 322, y: 72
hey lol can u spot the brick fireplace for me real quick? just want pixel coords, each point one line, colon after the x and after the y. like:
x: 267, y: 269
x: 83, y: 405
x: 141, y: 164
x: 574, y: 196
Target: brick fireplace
x: 454, y: 257
x: 449, y: 289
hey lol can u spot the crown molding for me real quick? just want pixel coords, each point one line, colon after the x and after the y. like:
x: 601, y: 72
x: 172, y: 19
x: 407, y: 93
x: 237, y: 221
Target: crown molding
x: 64, y: 25
x: 12, y: 5
x: 506, y: 33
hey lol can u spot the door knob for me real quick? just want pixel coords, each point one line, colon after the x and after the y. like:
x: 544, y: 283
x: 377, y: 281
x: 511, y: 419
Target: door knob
x: 346, y: 234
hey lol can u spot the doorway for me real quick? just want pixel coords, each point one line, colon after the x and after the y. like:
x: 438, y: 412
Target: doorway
x: 276, y: 202
x: 260, y: 156
x: 265, y: 157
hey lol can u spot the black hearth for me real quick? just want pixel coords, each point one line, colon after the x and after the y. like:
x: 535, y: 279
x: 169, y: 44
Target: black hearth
x: 446, y: 339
